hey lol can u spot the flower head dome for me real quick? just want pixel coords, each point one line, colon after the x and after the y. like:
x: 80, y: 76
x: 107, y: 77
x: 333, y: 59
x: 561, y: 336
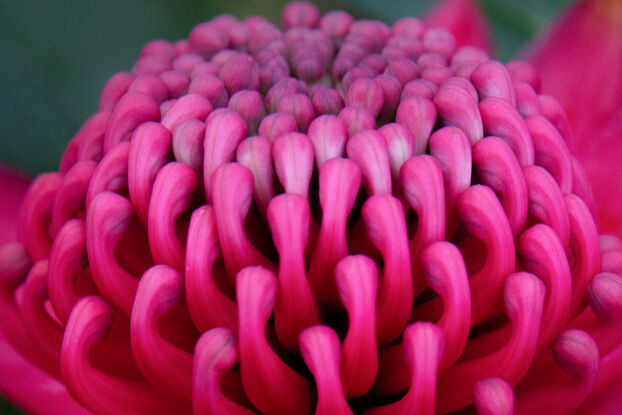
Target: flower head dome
x: 337, y: 216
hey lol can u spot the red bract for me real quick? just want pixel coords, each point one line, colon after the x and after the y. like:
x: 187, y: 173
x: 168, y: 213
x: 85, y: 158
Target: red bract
x: 465, y: 20
x: 339, y: 217
x: 579, y: 62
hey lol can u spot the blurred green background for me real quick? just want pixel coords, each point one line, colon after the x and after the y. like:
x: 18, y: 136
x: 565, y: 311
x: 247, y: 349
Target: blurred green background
x: 57, y: 55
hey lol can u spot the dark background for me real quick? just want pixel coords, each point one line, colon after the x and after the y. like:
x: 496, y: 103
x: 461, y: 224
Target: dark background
x: 55, y: 56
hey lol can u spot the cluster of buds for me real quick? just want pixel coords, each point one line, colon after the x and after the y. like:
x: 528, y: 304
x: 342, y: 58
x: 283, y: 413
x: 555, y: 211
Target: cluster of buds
x: 340, y: 217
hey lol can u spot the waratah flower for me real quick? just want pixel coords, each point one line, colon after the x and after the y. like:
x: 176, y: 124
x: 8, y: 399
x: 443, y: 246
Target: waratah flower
x: 336, y: 217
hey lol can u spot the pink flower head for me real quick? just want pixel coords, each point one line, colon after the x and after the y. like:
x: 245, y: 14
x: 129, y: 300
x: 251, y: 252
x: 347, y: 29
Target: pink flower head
x: 337, y: 217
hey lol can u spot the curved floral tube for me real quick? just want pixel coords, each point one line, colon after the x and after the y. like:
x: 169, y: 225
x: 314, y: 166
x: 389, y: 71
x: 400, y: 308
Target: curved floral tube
x: 66, y: 275
x: 293, y: 162
x: 357, y: 281
x: 89, y: 322
x: 277, y: 124
x: 320, y: 348
x: 230, y: 210
x: 149, y: 148
x: 187, y: 143
x: 166, y: 365
x: 451, y: 148
x: 188, y: 107
x: 208, y: 305
x: 385, y: 225
x: 328, y: 136
x: 498, y: 168
x: 133, y: 109
x: 215, y: 355
x: 172, y: 194
x: 340, y: 180
x: 502, y: 120
x: 111, y: 172
x: 540, y: 251
x: 524, y: 300
x: 493, y: 396
x: 418, y: 115
x: 44, y: 331
x: 272, y: 386
x: 224, y: 129
x: 550, y: 151
x: 445, y: 272
x: 423, y: 348
x: 400, y: 147
x: 88, y: 142
x: 70, y: 198
x: 107, y: 219
x: 546, y: 203
x: 587, y: 261
x: 35, y: 217
x: 483, y: 217
x: 422, y: 182
x: 577, y: 354
x: 296, y: 308
x: 457, y: 106
x: 255, y: 153
x: 368, y: 149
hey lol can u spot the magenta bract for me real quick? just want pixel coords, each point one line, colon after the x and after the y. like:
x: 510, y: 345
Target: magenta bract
x: 337, y: 217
